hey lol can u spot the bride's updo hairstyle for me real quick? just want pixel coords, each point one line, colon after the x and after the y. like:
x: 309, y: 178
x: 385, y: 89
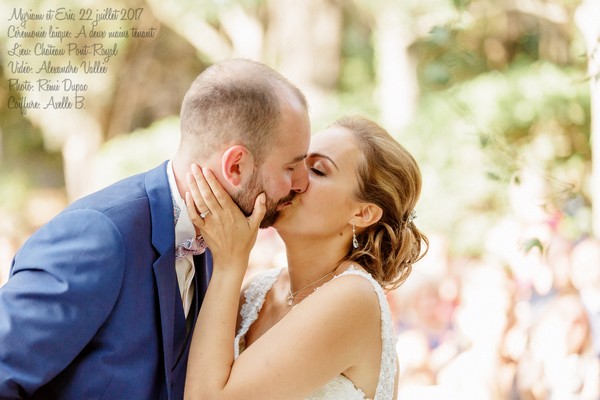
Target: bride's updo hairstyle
x: 389, y: 177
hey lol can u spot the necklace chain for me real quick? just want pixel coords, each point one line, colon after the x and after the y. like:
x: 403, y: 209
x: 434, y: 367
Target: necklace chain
x: 292, y: 295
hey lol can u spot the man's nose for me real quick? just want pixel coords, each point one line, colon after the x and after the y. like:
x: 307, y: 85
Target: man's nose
x: 300, y: 179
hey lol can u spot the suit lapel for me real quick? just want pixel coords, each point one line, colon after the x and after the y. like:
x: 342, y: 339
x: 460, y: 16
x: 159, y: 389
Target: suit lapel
x: 163, y: 239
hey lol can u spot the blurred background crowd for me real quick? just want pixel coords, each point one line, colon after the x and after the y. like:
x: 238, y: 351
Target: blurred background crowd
x: 497, y: 101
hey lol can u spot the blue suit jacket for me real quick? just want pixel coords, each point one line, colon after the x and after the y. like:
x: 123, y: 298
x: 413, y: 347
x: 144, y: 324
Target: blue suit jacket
x: 92, y: 308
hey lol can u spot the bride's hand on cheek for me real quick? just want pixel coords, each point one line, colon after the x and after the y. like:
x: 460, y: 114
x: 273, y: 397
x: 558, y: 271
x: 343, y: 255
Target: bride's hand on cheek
x: 228, y: 233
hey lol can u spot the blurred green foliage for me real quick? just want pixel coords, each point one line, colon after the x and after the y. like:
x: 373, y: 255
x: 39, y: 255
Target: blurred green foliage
x: 139, y: 151
x: 475, y: 138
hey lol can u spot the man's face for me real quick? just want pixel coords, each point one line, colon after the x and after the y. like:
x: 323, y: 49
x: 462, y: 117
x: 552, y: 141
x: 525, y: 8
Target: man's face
x: 283, y: 172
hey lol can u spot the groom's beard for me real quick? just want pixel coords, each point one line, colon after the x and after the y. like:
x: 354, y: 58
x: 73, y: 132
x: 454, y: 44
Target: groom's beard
x: 272, y: 213
x: 245, y: 201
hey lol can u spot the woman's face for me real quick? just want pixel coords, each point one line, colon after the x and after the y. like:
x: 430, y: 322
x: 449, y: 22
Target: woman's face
x: 328, y: 204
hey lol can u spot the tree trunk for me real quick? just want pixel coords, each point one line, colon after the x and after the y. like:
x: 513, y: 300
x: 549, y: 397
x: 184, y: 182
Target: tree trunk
x: 303, y: 43
x: 80, y: 139
x: 397, y: 89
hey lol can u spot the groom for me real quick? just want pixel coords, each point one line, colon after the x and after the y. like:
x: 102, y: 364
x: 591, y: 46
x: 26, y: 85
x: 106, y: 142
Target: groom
x: 102, y: 299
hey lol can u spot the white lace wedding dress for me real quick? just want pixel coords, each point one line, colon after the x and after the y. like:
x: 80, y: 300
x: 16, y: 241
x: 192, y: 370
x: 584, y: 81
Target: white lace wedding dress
x: 340, y: 388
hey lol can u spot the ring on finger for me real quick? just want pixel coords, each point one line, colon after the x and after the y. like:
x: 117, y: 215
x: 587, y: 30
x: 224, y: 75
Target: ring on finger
x: 204, y: 214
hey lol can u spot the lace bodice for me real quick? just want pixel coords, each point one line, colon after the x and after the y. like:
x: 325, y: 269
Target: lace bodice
x: 340, y: 388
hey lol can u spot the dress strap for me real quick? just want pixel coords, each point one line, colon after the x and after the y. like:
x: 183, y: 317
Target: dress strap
x: 254, y: 297
x: 388, y: 368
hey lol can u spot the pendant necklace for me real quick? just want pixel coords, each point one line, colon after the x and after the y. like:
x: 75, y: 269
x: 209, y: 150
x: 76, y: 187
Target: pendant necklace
x: 292, y: 295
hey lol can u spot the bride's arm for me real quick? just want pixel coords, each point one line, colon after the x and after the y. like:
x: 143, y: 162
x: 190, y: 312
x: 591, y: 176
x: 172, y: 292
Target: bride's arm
x: 327, y: 334
x: 230, y: 236
x: 316, y: 341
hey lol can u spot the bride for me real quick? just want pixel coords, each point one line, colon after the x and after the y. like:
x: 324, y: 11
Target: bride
x: 350, y: 235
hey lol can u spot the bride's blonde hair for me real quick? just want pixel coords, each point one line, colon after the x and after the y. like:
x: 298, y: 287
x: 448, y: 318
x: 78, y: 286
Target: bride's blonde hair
x: 389, y: 177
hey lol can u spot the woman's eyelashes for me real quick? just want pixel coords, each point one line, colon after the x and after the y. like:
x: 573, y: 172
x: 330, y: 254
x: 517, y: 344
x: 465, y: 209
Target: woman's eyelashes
x: 318, y: 166
x: 317, y: 171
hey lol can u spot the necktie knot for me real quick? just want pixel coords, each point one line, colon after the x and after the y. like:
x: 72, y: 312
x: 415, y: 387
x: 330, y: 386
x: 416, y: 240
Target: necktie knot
x: 194, y: 247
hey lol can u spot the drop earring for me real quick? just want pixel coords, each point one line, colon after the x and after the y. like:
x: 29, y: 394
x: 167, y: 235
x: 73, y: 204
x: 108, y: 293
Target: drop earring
x: 354, y: 241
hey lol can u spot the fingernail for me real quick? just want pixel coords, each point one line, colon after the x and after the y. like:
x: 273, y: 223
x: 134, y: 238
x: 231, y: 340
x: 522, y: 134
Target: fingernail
x: 263, y: 198
x: 195, y: 169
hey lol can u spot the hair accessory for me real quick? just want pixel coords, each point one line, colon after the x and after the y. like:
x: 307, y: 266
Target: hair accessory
x: 411, y: 217
x: 354, y: 241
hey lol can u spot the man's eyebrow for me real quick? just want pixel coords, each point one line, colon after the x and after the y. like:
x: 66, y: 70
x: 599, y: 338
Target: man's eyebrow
x: 298, y: 159
x: 319, y: 155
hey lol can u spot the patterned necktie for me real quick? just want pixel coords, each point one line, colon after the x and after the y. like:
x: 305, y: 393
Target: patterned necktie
x: 193, y: 246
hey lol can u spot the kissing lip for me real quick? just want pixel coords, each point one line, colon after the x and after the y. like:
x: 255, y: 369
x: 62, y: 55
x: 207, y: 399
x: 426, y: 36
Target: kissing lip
x: 286, y: 201
x: 283, y: 205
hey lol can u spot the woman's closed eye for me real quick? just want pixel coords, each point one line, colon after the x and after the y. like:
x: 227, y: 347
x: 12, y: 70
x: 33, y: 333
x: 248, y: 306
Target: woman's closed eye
x: 317, y: 171
x: 319, y: 165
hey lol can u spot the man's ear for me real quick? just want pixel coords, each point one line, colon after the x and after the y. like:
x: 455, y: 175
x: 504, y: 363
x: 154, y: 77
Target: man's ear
x: 367, y: 215
x: 237, y: 165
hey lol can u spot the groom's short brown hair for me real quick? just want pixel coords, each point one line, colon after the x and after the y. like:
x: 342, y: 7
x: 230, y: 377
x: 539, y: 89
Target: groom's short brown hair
x: 235, y: 102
